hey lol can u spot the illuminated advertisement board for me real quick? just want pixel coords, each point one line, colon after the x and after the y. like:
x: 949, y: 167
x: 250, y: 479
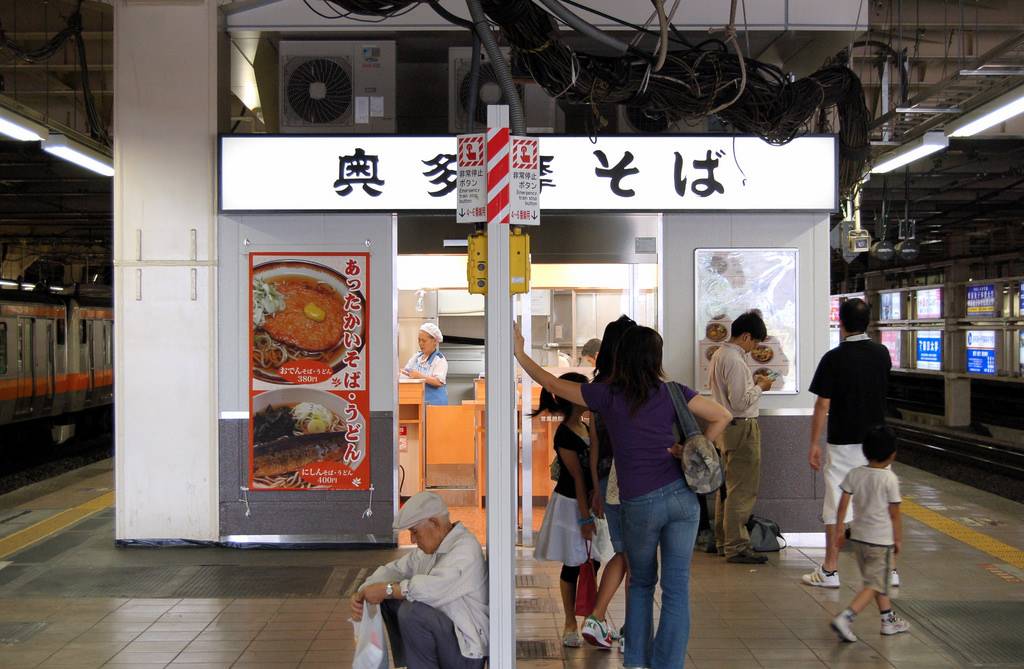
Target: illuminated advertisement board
x: 929, y: 303
x: 981, y: 352
x: 893, y: 340
x: 981, y: 300
x: 891, y: 304
x: 929, y: 349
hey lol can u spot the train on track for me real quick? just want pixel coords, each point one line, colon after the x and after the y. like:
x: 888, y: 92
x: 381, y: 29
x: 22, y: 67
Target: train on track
x: 56, y: 365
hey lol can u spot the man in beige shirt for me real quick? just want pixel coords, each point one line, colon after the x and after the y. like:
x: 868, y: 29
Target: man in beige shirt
x: 734, y: 387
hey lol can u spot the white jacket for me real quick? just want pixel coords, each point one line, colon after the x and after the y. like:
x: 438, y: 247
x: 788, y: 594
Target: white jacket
x: 452, y: 580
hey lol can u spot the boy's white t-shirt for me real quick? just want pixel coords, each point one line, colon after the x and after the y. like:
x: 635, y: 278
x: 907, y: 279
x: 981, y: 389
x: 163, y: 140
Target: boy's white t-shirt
x: 871, y: 491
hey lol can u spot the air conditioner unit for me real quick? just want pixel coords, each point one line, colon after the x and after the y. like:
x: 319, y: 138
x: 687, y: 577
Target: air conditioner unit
x: 337, y: 87
x: 632, y: 120
x: 543, y: 115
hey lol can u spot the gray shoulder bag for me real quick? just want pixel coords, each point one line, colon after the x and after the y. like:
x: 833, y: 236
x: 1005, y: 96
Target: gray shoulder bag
x: 700, y: 463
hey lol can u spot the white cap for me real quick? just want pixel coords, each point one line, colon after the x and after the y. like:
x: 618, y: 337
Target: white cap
x: 420, y: 507
x: 433, y: 331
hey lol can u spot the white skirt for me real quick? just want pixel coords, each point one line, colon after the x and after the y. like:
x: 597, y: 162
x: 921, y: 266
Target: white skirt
x: 560, y: 539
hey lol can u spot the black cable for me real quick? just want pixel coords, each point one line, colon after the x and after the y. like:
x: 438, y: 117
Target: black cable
x: 448, y: 16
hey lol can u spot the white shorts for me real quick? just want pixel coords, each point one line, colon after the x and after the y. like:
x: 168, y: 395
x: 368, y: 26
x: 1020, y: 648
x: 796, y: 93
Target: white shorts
x: 839, y: 460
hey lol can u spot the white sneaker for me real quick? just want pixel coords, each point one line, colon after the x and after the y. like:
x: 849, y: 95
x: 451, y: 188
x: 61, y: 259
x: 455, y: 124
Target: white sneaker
x: 820, y: 579
x: 595, y: 632
x: 843, y: 627
x: 894, y: 579
x: 893, y: 624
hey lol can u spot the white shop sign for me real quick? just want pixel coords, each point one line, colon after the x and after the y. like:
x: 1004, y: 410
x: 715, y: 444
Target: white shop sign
x: 618, y: 173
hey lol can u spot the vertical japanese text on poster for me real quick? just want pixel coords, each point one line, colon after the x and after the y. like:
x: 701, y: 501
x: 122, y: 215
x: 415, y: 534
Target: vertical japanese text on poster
x: 309, y: 371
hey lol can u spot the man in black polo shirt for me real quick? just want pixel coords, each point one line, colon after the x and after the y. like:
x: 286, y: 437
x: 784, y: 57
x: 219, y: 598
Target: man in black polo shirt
x: 850, y: 383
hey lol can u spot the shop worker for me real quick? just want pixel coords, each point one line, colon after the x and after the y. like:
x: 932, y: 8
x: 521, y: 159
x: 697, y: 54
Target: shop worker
x: 434, y: 599
x: 734, y: 387
x: 850, y: 383
x: 588, y: 354
x: 430, y: 365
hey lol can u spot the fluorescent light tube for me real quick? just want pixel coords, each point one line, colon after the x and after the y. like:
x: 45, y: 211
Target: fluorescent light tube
x: 20, y: 128
x: 989, y: 114
x: 456, y: 243
x: 924, y: 145
x: 81, y: 155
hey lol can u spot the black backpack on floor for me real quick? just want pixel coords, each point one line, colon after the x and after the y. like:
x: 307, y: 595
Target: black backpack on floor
x: 765, y: 535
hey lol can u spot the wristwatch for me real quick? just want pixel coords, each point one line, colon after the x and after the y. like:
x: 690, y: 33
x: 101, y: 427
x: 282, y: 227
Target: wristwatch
x: 389, y: 590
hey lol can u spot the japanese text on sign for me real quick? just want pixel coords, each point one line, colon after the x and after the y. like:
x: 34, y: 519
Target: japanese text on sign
x: 308, y: 384
x: 392, y: 173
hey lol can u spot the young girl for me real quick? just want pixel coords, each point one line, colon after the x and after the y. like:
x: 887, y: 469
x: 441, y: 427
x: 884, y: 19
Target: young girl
x: 568, y: 524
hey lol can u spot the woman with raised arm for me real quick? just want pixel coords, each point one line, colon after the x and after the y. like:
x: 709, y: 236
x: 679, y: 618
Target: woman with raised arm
x: 660, y: 512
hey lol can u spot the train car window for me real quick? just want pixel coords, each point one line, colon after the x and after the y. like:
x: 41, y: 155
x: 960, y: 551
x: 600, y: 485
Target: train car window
x: 61, y: 333
x: 3, y: 349
x: 83, y: 335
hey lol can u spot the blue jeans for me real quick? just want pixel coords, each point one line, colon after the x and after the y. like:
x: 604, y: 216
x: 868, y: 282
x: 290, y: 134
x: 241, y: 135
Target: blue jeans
x: 665, y: 518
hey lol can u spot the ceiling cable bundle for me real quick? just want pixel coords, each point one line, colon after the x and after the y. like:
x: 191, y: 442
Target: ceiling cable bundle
x: 40, y: 54
x: 678, y: 81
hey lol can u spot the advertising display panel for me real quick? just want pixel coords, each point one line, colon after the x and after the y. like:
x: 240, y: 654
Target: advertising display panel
x: 929, y: 349
x: 833, y: 310
x: 981, y: 300
x: 929, y: 303
x: 891, y: 304
x: 893, y: 340
x: 833, y: 338
x: 981, y: 352
x: 730, y: 282
x: 309, y: 343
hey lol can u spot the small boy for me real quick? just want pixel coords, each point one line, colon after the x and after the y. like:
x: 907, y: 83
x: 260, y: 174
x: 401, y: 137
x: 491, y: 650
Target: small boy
x: 875, y: 531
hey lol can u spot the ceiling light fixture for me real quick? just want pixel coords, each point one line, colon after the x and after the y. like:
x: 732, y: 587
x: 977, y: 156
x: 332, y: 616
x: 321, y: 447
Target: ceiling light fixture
x: 456, y: 243
x: 18, y: 127
x: 989, y: 114
x: 81, y: 155
x: 925, y: 145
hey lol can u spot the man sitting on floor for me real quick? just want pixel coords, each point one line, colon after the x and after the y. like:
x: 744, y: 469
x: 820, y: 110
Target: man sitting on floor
x: 434, y: 599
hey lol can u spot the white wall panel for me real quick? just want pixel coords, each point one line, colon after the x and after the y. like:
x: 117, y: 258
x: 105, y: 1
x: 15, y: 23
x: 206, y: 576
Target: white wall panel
x: 165, y: 115
x: 165, y: 120
x: 683, y: 233
x: 241, y: 235
x: 165, y: 415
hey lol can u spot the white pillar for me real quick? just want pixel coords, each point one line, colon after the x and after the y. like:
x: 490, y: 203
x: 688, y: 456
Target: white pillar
x: 165, y: 116
x: 502, y: 457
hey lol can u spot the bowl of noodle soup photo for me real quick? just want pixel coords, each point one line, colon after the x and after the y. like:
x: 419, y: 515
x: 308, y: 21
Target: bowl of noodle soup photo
x: 295, y: 427
x: 297, y: 312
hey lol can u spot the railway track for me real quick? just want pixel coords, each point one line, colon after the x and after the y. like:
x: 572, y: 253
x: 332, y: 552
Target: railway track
x: 47, y: 463
x: 976, y: 461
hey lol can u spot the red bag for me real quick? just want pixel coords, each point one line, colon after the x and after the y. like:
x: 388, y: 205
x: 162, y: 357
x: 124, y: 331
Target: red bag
x: 586, y: 587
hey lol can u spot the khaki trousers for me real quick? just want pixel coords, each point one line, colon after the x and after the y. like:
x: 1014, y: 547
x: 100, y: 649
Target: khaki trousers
x: 740, y: 445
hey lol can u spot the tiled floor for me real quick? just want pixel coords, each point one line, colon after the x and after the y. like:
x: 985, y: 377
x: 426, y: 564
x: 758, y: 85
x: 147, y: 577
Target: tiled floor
x: 741, y: 616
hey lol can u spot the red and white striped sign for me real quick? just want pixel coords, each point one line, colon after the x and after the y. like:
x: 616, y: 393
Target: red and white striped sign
x: 497, y: 175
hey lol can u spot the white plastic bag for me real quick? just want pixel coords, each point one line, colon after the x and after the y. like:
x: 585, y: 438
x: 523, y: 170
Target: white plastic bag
x: 371, y: 641
x: 602, y: 549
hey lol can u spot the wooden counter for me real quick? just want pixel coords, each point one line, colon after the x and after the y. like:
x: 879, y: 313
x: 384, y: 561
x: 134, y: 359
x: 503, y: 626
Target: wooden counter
x: 411, y: 416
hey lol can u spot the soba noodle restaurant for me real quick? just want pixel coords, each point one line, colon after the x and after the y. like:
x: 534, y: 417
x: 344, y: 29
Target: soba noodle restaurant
x: 342, y: 281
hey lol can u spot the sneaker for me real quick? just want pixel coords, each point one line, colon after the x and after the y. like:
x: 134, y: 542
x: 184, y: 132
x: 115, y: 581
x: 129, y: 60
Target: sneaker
x: 747, y: 557
x: 843, y: 627
x: 893, y: 624
x: 572, y: 640
x: 894, y: 579
x: 622, y: 640
x: 820, y: 579
x: 596, y: 633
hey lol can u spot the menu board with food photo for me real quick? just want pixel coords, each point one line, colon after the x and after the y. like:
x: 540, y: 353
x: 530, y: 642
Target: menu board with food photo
x: 308, y: 371
x: 730, y: 282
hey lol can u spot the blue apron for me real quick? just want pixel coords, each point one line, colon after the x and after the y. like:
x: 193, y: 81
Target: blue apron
x: 431, y: 395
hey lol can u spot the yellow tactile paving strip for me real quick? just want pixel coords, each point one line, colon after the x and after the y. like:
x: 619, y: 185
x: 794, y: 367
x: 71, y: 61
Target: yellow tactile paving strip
x: 44, y: 528
x: 984, y: 543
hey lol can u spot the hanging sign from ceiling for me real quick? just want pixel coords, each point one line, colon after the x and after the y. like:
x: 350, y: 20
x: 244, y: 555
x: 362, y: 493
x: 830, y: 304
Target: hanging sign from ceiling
x: 661, y: 173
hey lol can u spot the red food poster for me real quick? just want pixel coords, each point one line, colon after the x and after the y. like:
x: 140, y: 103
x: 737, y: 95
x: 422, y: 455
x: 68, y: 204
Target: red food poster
x: 309, y: 387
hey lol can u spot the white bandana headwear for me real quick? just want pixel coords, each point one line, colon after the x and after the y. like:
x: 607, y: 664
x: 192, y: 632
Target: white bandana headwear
x: 433, y: 331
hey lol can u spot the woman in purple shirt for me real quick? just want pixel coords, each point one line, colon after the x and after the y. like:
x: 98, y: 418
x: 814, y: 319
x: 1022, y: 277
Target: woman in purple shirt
x: 659, y: 510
